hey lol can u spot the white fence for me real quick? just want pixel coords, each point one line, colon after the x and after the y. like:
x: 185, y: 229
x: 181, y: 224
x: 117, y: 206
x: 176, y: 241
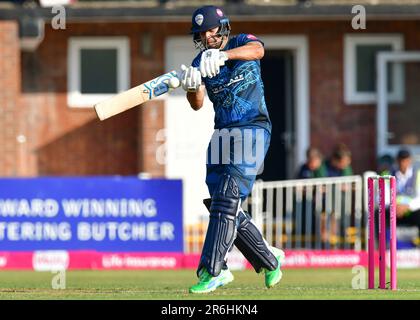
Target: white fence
x: 324, y: 213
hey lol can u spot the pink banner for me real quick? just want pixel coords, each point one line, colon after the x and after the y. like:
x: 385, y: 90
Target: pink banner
x: 56, y: 260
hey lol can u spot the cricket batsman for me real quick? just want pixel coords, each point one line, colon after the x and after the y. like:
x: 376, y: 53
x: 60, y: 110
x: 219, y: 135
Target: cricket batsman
x: 229, y: 67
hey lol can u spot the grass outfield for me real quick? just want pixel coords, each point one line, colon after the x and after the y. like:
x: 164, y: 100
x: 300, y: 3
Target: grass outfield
x: 173, y: 285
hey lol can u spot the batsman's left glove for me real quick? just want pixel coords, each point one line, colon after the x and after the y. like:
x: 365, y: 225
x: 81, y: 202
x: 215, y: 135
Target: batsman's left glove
x: 211, y: 60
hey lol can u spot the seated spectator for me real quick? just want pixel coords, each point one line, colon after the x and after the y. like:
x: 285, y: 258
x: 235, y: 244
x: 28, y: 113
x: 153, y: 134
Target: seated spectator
x: 385, y: 165
x: 314, y: 166
x: 340, y: 162
x: 408, y: 189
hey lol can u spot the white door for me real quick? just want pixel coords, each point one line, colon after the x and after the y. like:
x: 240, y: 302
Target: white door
x: 187, y: 134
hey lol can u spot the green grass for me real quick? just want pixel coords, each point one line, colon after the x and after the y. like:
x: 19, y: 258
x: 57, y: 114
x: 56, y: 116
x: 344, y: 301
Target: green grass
x: 173, y: 285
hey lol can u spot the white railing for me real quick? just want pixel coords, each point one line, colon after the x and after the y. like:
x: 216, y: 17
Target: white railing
x: 323, y: 213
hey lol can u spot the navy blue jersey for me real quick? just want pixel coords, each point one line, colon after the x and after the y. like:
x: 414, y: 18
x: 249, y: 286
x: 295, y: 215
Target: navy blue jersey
x: 237, y: 92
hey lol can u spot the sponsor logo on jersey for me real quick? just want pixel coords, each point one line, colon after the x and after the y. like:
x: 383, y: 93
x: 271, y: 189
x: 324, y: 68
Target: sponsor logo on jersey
x: 231, y: 81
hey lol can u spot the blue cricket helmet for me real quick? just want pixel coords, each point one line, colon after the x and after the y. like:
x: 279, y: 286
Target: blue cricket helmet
x: 206, y: 18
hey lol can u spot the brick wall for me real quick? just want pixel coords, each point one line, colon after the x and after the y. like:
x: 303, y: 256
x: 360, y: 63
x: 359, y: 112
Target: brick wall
x: 68, y: 141
x: 331, y: 120
x: 10, y: 159
x: 61, y: 140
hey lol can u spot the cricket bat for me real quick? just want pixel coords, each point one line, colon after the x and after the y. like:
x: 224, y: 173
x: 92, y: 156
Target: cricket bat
x: 137, y: 95
x: 140, y: 94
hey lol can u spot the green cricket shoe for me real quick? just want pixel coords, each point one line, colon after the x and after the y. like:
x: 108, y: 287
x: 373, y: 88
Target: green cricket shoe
x: 274, y: 277
x: 208, y: 283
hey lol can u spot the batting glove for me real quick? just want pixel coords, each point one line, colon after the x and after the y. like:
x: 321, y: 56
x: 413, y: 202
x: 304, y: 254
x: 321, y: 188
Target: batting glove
x: 191, y: 79
x: 211, y: 60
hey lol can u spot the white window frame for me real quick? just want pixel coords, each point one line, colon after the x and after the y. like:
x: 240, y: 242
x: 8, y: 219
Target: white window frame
x: 382, y: 132
x: 351, y: 95
x: 75, y: 98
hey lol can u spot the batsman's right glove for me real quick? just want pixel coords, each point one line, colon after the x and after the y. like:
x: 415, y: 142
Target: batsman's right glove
x: 191, y: 78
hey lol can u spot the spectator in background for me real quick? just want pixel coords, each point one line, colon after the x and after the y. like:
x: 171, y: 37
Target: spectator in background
x: 385, y: 165
x: 314, y: 166
x: 339, y: 163
x: 408, y: 189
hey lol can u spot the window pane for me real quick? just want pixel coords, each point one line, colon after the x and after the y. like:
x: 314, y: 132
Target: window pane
x: 98, y: 70
x: 366, y: 67
x: 403, y: 118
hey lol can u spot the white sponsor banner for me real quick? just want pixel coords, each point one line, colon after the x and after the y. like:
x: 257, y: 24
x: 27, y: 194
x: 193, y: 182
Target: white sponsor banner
x: 3, y: 261
x: 51, y: 260
x: 408, y: 258
x: 52, y: 3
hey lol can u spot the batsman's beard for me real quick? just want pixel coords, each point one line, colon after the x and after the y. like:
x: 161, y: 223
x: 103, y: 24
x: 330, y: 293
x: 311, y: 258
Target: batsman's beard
x: 216, y: 44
